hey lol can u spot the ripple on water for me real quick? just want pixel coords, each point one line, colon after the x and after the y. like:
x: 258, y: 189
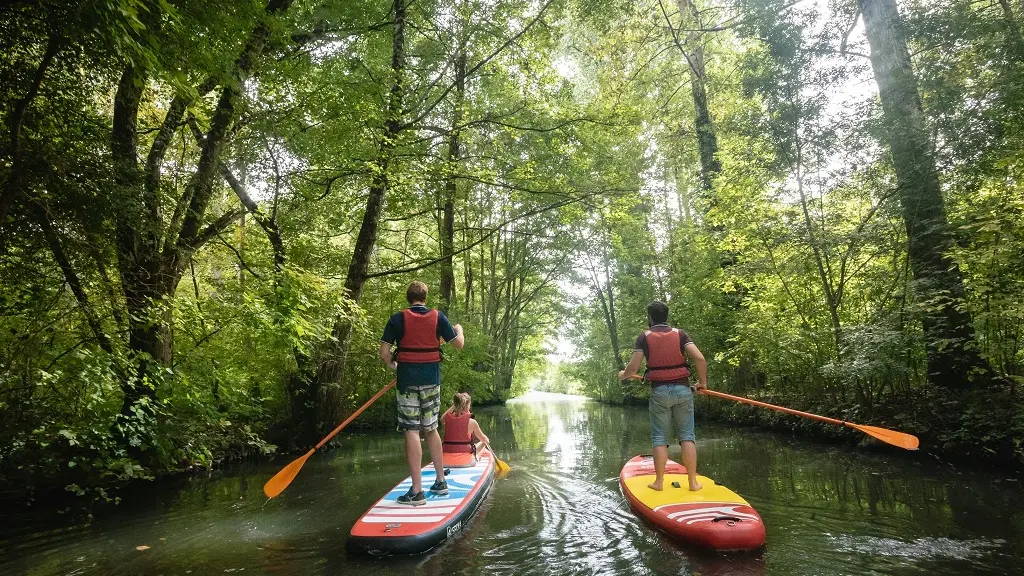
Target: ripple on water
x: 586, y: 528
x: 926, y: 548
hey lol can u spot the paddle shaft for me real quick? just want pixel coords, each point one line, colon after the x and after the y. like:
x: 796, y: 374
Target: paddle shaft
x: 900, y: 439
x: 767, y: 405
x: 356, y: 413
x: 774, y: 407
x: 492, y: 452
x: 499, y: 465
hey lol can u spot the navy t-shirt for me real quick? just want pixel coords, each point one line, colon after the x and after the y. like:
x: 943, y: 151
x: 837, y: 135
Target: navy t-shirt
x: 418, y: 374
x: 641, y: 344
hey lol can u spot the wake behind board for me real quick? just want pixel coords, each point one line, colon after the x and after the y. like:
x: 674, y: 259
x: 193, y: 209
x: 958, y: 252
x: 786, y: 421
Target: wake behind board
x: 392, y: 528
x: 712, y: 517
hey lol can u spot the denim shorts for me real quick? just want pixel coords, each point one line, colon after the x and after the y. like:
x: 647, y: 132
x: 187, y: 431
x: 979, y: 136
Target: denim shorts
x: 671, y: 408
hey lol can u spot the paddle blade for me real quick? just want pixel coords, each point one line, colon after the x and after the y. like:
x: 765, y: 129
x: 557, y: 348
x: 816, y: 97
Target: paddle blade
x: 502, y: 467
x: 282, y: 479
x: 905, y: 441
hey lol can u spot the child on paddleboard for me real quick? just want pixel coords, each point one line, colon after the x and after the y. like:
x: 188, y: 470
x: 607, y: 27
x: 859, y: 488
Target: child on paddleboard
x: 460, y: 427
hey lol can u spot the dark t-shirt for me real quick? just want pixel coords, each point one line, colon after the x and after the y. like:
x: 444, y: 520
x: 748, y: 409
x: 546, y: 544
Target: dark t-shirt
x: 641, y: 343
x: 418, y: 374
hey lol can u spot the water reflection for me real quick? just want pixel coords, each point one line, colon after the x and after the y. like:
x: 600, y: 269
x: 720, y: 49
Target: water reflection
x: 828, y: 510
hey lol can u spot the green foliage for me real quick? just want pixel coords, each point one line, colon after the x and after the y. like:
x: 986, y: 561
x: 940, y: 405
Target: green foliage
x: 791, y: 274
x: 129, y: 351
x: 569, y: 158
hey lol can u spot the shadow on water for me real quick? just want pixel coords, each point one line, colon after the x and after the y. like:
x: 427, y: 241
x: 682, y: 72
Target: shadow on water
x: 828, y: 510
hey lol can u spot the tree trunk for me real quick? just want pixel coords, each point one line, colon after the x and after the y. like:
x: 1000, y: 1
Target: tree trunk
x: 490, y: 305
x: 953, y: 358
x: 682, y: 196
x: 820, y: 258
x: 707, y: 140
x: 151, y: 256
x: 16, y: 179
x: 447, y: 288
x: 1011, y: 23
x: 483, y: 291
x: 267, y: 222
x: 331, y: 372
x: 607, y: 305
x: 72, y: 278
x: 469, y: 294
x: 613, y: 323
x: 137, y: 241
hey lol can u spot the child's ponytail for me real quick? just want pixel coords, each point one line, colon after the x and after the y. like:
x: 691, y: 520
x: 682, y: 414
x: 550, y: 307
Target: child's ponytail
x: 460, y: 403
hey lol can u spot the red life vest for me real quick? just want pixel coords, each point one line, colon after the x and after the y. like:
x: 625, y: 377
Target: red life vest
x: 456, y: 433
x: 419, y: 338
x: 665, y: 359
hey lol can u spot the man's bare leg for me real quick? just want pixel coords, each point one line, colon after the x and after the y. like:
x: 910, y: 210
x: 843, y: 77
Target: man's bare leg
x: 436, y: 452
x: 414, y: 453
x: 689, y: 449
x: 660, y: 459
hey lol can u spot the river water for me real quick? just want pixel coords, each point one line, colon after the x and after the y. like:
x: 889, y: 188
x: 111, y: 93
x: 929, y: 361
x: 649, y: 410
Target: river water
x: 828, y: 510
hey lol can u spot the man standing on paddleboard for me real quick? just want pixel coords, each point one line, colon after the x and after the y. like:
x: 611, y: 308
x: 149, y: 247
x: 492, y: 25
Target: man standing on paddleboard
x: 418, y: 331
x: 671, y: 406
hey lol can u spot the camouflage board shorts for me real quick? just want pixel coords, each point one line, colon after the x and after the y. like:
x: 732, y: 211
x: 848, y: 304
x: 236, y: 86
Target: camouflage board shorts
x: 419, y: 408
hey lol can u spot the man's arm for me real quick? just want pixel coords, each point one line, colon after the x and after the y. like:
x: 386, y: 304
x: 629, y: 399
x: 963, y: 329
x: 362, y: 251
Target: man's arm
x: 698, y: 362
x: 385, y: 356
x: 392, y: 334
x: 460, y: 338
x: 633, y: 366
x: 450, y: 334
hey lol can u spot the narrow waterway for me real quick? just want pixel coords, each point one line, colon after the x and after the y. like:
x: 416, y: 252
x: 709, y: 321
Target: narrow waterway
x: 829, y: 510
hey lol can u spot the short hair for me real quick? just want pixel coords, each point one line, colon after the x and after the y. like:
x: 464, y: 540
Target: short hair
x: 416, y: 292
x: 658, y: 312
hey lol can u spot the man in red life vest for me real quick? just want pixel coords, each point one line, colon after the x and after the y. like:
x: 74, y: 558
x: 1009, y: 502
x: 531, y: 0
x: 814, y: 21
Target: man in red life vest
x: 671, y: 406
x: 417, y: 331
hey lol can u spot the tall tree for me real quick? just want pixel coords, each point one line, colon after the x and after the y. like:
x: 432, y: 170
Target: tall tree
x: 447, y: 287
x: 152, y: 254
x: 331, y: 371
x: 953, y: 357
x: 692, y: 48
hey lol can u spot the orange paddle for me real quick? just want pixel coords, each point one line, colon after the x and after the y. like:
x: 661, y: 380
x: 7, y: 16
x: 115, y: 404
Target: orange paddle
x: 500, y: 465
x: 901, y: 439
x: 282, y: 479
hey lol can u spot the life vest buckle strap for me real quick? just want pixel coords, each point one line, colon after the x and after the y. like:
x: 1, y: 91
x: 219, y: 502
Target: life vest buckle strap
x: 672, y: 367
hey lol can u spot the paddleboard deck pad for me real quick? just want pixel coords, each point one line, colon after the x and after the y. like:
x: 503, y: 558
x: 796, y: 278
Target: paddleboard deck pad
x: 712, y: 517
x: 391, y: 528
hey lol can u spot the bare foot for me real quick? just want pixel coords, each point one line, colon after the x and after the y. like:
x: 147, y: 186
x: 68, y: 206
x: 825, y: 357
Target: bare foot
x: 694, y: 486
x: 655, y: 486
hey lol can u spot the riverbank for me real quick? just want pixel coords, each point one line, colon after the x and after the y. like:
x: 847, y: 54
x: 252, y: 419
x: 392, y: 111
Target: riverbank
x: 83, y: 482
x: 966, y: 429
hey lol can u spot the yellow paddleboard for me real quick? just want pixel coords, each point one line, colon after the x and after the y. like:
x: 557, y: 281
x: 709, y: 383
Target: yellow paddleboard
x: 713, y: 517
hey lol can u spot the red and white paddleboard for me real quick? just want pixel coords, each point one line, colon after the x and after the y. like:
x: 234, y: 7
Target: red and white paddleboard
x: 712, y: 517
x: 392, y: 528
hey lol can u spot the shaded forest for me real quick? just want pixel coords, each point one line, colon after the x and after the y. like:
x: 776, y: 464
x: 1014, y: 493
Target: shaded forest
x: 208, y: 210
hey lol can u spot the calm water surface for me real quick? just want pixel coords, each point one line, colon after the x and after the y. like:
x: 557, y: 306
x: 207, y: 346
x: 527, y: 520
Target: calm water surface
x: 828, y: 510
